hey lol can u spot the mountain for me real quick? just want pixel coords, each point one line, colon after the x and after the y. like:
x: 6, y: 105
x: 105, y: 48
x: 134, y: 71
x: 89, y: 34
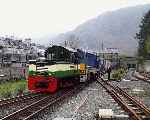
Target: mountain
x: 117, y: 29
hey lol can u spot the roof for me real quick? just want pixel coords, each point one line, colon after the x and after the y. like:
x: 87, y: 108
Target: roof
x: 110, y: 50
x: 71, y: 49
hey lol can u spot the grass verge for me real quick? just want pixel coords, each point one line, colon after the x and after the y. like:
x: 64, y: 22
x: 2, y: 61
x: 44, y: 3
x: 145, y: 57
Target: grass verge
x: 11, y: 89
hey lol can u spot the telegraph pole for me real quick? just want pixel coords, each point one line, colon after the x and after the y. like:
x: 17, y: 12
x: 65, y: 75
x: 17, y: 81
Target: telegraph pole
x: 2, y: 56
x: 103, y: 51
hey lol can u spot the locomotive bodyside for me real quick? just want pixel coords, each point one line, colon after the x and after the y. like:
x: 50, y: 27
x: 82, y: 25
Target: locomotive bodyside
x: 50, y: 78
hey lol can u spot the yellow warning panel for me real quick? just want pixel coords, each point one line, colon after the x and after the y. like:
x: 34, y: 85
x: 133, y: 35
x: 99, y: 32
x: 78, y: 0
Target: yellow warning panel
x: 82, y: 67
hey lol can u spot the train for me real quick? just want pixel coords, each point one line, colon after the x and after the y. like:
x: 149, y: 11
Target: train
x: 63, y: 67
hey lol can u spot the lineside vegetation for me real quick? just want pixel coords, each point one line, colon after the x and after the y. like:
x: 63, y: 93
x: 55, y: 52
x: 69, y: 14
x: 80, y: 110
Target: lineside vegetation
x: 144, y: 37
x: 12, y: 89
x: 118, y: 74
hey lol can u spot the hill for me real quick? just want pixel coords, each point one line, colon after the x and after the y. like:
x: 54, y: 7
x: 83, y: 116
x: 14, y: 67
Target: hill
x: 116, y: 29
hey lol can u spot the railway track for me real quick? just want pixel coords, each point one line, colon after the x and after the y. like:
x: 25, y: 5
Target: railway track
x: 18, y: 99
x: 146, y: 74
x: 143, y: 76
x: 135, y: 109
x: 32, y: 110
x: 146, y: 77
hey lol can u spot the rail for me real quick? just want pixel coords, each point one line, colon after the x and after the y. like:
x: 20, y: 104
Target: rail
x: 13, y: 100
x: 135, y: 109
x: 32, y: 110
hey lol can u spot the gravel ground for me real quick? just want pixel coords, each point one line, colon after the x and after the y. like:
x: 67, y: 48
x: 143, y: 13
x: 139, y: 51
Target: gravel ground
x: 83, y: 105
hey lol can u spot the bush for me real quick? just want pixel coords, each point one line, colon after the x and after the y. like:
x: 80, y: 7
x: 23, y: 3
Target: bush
x: 118, y: 74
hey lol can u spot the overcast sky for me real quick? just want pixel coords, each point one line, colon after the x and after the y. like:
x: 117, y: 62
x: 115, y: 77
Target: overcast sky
x: 38, y: 18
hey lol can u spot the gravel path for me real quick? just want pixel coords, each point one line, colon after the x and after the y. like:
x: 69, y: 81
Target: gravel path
x: 83, y: 105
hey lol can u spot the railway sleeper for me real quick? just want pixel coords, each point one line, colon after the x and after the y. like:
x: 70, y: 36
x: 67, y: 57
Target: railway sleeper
x: 145, y: 117
x: 139, y: 112
x: 35, y: 108
x: 125, y: 99
x: 135, y: 108
x: 24, y: 114
x: 131, y: 105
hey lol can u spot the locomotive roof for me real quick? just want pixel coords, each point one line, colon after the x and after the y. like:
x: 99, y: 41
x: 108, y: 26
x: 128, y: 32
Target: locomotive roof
x: 76, y: 50
x: 71, y: 49
x: 68, y: 48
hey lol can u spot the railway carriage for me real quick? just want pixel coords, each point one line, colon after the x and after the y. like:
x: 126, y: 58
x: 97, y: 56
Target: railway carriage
x: 63, y: 67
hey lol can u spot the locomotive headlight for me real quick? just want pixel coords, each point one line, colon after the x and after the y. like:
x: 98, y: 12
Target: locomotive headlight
x: 82, y: 71
x: 49, y: 74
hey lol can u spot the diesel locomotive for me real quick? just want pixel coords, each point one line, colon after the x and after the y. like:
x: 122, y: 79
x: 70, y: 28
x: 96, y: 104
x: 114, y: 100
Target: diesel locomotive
x: 63, y: 67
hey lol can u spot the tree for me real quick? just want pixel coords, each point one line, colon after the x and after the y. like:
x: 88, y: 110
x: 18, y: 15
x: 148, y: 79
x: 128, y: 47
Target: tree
x: 140, y: 64
x: 144, y: 37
